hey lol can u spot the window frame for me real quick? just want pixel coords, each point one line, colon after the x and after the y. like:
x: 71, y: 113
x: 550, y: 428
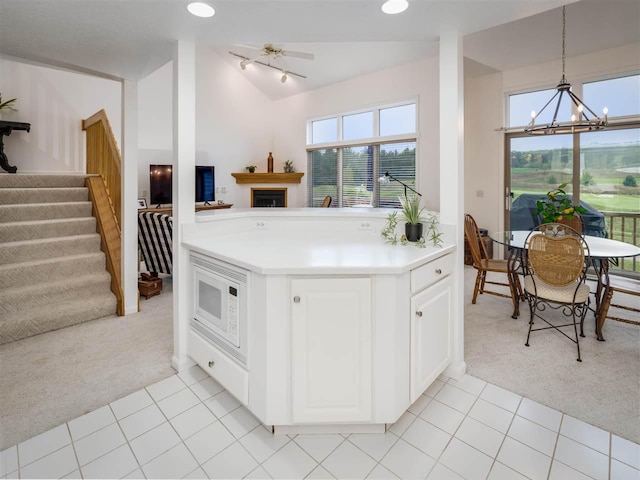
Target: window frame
x: 376, y: 142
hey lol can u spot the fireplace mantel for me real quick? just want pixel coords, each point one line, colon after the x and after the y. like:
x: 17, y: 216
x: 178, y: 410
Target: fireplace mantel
x: 294, y: 177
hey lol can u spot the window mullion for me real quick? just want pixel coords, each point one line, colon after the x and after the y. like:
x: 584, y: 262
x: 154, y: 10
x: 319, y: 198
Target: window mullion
x: 576, y: 168
x: 339, y: 176
x: 376, y: 175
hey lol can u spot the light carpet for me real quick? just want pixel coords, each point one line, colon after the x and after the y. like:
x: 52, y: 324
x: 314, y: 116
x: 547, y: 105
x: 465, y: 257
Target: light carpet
x: 54, y: 377
x: 603, y: 389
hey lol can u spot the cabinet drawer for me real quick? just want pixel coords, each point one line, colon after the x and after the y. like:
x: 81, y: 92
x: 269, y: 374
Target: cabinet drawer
x: 428, y: 274
x: 230, y: 375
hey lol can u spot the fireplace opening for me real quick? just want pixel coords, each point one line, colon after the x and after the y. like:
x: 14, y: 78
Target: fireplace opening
x: 268, y: 197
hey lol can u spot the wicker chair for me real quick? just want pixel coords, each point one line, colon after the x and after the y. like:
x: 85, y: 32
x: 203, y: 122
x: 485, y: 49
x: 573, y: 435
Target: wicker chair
x: 621, y: 285
x: 483, y: 264
x: 575, y: 222
x: 556, y: 270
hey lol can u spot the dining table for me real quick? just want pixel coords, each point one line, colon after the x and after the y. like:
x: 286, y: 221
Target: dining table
x: 602, y: 252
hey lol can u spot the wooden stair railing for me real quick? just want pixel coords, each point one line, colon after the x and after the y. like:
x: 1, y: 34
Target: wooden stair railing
x: 104, y: 163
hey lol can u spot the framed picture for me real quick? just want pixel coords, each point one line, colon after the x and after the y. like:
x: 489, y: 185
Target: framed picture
x: 142, y: 203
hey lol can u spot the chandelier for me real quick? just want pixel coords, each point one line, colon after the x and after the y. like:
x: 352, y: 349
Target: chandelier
x: 578, y: 124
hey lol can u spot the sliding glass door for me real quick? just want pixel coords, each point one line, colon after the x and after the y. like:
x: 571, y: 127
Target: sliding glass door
x: 536, y: 165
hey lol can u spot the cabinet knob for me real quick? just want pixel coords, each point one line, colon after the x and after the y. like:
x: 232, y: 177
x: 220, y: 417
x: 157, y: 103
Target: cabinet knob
x: 419, y: 313
x: 438, y: 271
x: 296, y: 299
x: 211, y: 364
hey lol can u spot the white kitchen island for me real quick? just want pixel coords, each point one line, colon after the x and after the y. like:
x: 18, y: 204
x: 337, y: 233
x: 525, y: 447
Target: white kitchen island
x: 333, y: 330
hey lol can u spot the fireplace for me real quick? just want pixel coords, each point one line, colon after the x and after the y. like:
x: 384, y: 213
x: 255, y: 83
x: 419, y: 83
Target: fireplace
x: 268, y: 197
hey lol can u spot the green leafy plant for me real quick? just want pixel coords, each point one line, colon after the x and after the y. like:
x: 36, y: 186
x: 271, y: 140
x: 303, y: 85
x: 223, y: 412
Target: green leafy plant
x: 433, y: 234
x: 556, y: 205
x: 8, y: 105
x: 389, y: 231
x: 411, y: 210
x: 250, y: 168
x: 288, y: 166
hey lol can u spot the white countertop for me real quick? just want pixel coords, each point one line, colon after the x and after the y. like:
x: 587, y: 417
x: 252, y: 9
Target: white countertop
x: 270, y: 252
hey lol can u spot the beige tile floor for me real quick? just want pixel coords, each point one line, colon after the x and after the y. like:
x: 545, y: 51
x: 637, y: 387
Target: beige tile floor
x: 188, y: 426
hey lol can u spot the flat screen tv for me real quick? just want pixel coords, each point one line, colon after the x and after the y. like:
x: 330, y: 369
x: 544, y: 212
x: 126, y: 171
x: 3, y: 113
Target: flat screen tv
x: 205, y: 184
x: 160, y: 184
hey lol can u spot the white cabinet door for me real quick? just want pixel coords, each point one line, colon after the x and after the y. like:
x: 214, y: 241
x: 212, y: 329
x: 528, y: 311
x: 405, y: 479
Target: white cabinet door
x: 331, y: 350
x: 430, y: 335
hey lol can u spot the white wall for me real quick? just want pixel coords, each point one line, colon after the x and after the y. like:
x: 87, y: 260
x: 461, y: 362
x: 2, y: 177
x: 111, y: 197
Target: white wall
x: 155, y: 127
x: 54, y: 102
x: 413, y: 80
x: 234, y: 124
x: 485, y: 99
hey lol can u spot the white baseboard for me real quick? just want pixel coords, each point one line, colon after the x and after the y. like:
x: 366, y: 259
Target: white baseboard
x: 456, y: 371
x: 182, y: 364
x: 320, y: 429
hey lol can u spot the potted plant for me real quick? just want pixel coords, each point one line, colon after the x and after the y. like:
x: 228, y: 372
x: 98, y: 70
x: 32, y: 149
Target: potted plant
x: 250, y: 168
x: 413, y: 216
x: 288, y: 166
x: 7, y: 105
x: 556, y: 206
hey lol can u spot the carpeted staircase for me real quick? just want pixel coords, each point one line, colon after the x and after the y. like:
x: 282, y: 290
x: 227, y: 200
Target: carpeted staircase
x: 52, y: 271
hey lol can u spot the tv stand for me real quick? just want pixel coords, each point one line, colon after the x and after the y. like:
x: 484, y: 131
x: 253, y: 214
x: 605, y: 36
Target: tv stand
x: 169, y: 210
x: 204, y: 204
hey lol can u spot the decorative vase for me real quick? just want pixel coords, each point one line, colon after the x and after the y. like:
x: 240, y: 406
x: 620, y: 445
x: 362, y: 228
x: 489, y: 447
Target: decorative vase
x: 270, y: 163
x: 413, y: 231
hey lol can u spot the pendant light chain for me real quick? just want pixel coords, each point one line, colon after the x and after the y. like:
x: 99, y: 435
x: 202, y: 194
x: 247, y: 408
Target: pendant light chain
x: 564, y: 27
x: 580, y: 122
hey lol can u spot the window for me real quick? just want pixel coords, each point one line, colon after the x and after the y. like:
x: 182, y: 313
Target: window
x: 359, y: 125
x: 324, y: 131
x: 522, y: 104
x: 621, y: 96
x: 367, y: 145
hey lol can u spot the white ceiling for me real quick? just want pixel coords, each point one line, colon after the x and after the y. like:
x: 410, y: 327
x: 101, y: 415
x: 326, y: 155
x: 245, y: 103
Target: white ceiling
x: 132, y: 38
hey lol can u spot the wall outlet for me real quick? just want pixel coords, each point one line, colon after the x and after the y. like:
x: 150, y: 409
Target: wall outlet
x: 366, y: 226
x: 262, y: 224
x: 217, y: 189
x: 223, y: 189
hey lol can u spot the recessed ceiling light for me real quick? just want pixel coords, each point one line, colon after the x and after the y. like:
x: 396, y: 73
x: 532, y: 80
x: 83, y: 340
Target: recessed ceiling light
x: 392, y: 7
x: 200, y: 9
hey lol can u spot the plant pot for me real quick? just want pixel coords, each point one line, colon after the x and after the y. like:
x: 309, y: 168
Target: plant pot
x: 413, y: 231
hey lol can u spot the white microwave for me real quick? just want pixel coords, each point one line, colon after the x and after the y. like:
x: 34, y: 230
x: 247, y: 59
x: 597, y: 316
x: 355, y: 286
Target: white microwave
x: 220, y: 305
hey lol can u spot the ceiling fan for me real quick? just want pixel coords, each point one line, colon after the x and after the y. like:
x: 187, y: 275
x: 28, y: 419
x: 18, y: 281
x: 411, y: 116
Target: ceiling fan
x: 269, y: 53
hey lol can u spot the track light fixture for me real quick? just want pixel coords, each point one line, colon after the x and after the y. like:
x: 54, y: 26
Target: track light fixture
x: 581, y: 123
x: 285, y: 73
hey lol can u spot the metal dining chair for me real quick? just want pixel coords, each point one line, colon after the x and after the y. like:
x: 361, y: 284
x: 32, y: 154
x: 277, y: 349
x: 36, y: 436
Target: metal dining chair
x: 483, y: 264
x: 555, y: 276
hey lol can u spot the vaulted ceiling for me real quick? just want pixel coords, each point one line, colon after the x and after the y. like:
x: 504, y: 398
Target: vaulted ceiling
x: 131, y: 38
